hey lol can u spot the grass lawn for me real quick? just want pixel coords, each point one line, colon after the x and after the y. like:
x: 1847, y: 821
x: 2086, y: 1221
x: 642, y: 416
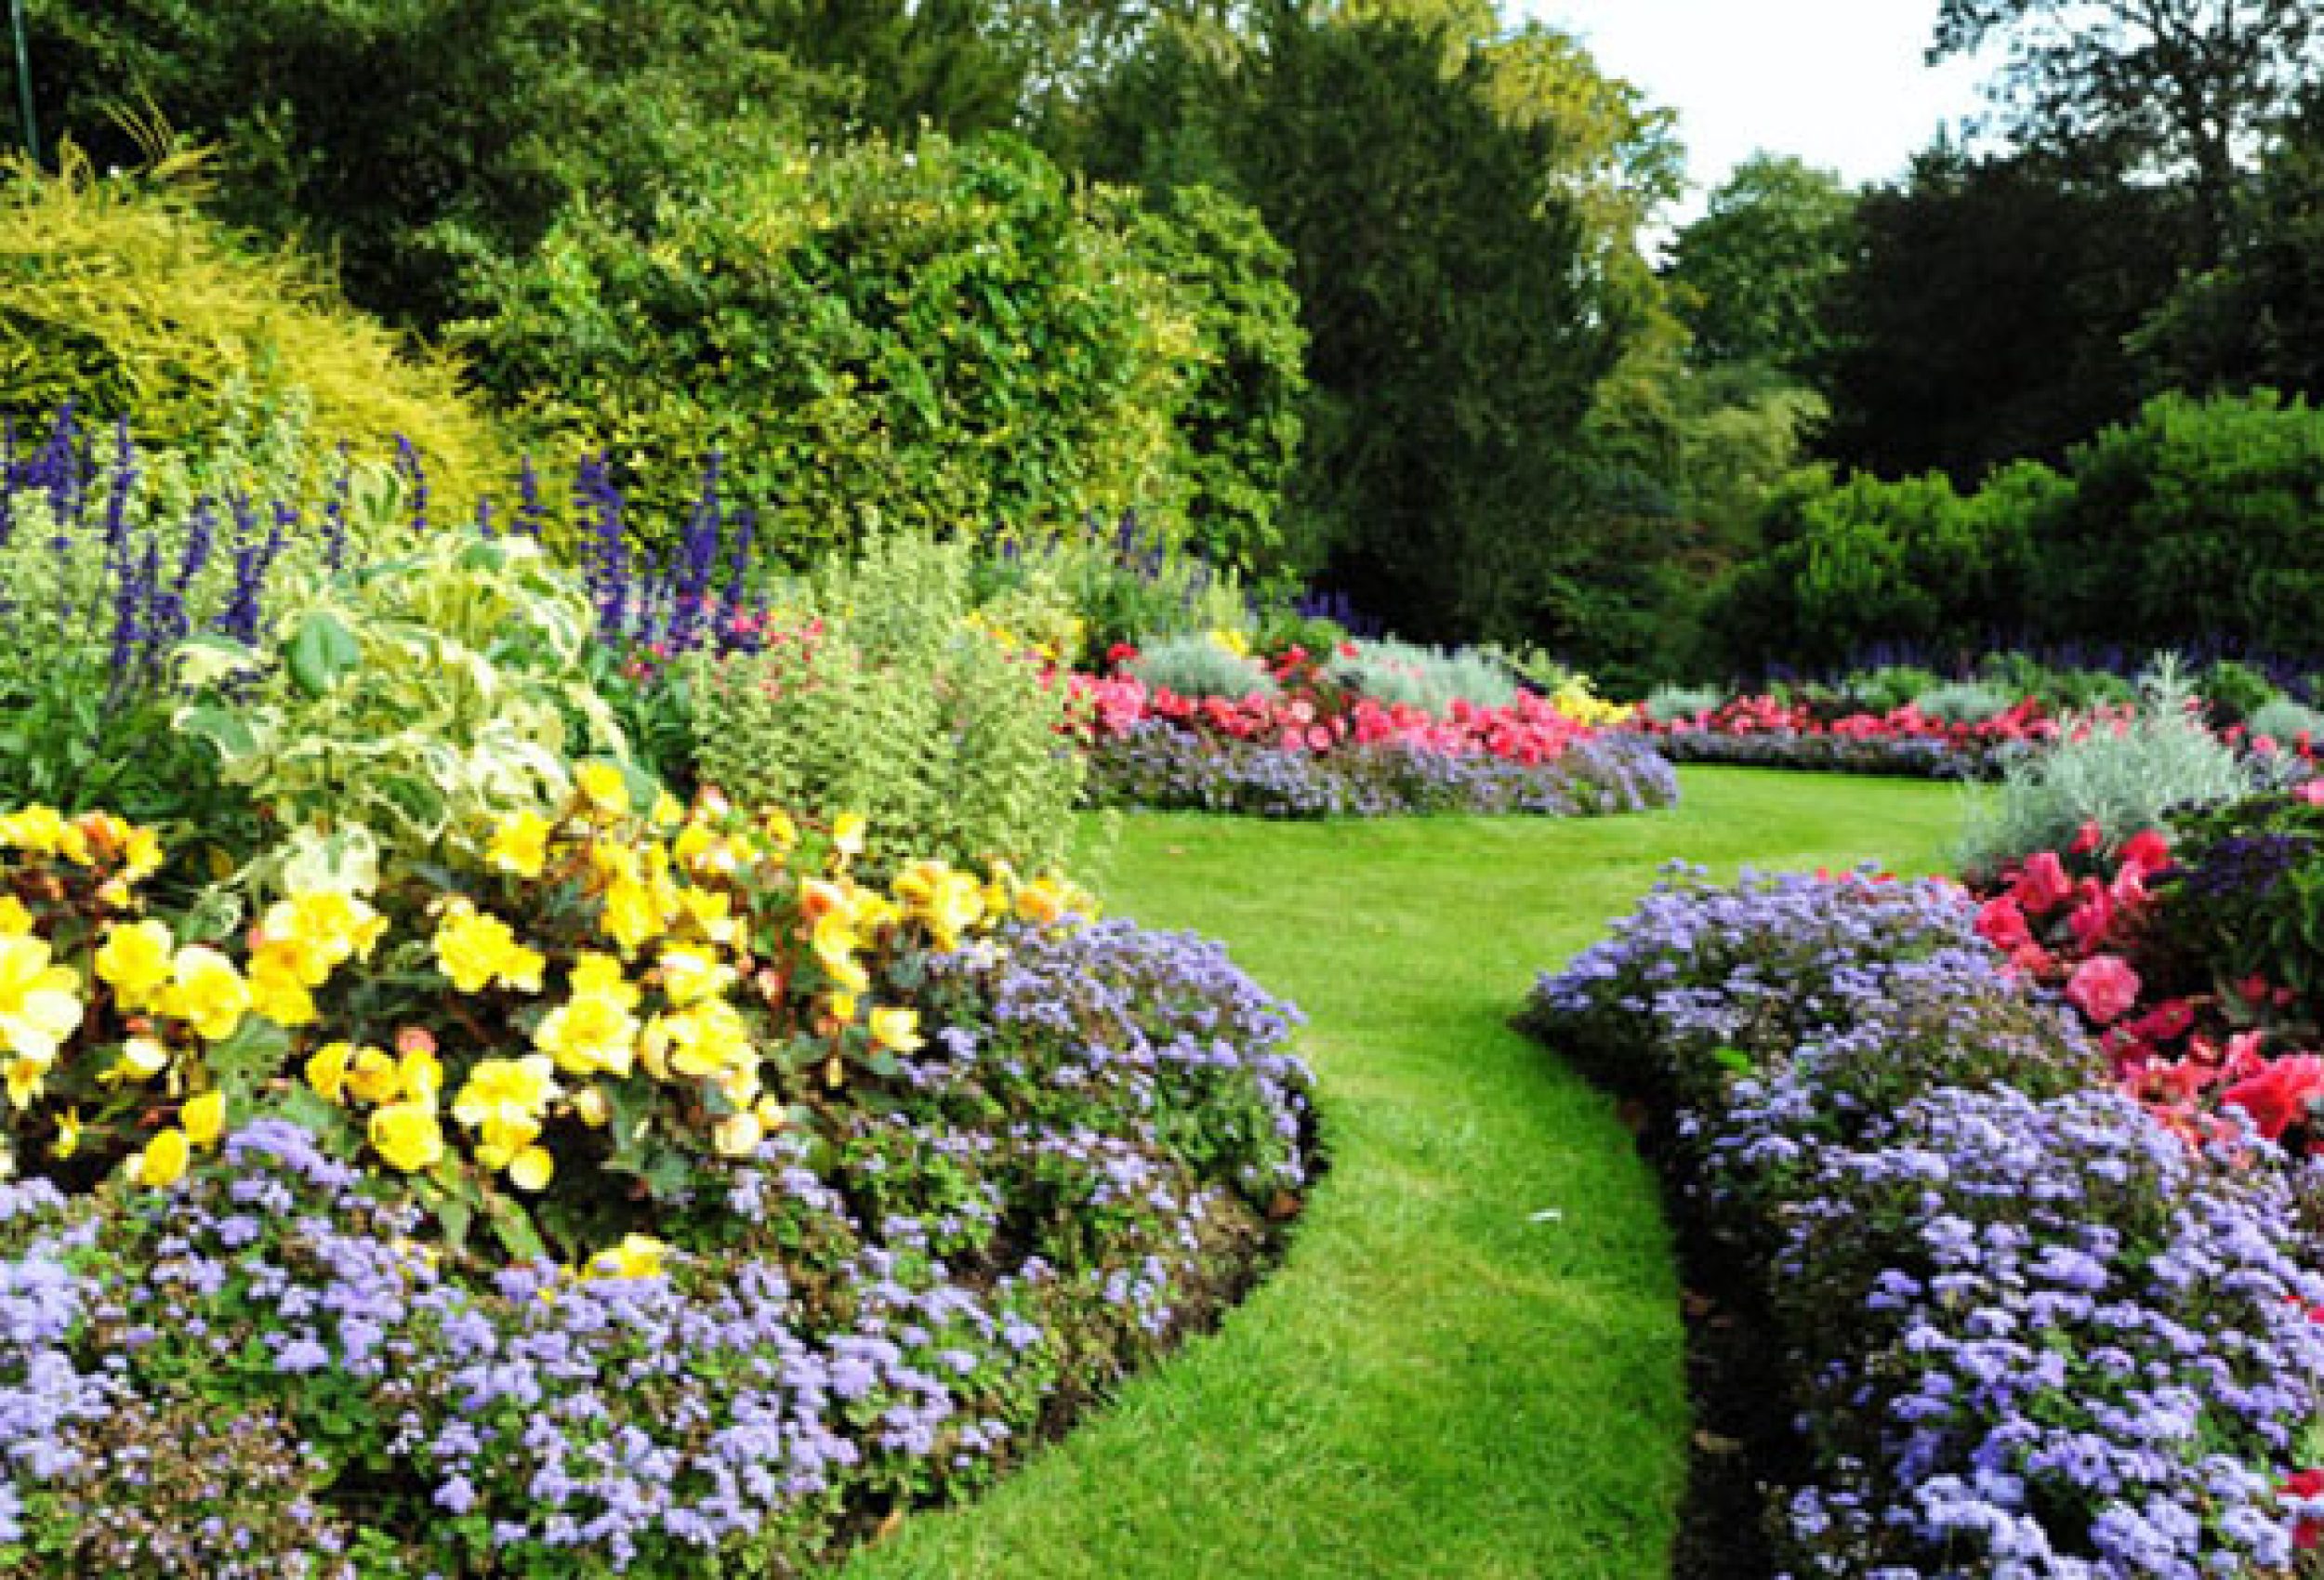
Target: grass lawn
x: 1471, y: 1364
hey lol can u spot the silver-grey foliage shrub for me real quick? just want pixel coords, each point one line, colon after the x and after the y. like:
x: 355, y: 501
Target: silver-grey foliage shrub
x: 1676, y: 705
x: 1196, y: 666
x: 2284, y: 721
x: 2123, y: 776
x: 1401, y: 673
x: 1964, y: 703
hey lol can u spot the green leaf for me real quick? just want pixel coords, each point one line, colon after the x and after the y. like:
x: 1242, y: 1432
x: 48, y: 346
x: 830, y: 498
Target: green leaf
x: 254, y: 1052
x: 322, y: 651
x: 223, y: 728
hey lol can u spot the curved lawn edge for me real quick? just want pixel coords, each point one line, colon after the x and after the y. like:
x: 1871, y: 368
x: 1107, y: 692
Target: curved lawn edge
x: 1472, y: 1361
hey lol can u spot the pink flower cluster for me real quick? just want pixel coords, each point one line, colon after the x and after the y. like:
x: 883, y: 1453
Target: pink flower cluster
x: 2181, y: 1054
x: 1764, y: 715
x: 1529, y: 731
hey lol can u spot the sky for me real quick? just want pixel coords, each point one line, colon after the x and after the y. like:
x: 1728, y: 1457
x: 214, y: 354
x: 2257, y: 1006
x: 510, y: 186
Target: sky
x: 1840, y: 82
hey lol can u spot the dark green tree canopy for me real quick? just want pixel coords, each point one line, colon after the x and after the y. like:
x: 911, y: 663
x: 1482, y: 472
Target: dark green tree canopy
x: 2175, y: 87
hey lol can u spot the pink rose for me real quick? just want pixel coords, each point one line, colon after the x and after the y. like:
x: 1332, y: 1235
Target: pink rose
x: 2103, y: 988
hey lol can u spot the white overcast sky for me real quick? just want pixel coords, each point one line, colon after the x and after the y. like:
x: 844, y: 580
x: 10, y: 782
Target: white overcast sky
x: 1839, y: 83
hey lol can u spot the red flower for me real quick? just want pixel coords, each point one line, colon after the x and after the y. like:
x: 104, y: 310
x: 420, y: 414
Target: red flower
x: 2043, y: 886
x: 2003, y: 925
x: 2277, y: 1097
x: 2148, y: 852
x: 2088, y: 838
x: 2306, y: 1484
x: 2103, y: 988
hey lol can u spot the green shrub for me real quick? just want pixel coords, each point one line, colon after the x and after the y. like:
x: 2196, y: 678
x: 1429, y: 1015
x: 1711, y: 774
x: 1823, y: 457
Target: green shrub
x: 1891, y: 686
x: 2235, y: 690
x: 416, y: 699
x: 1400, y: 674
x: 943, y: 336
x: 1239, y: 426
x: 1848, y: 564
x: 2283, y: 721
x: 886, y: 695
x: 2059, y: 690
x: 2125, y: 778
x: 1964, y: 703
x: 117, y: 296
x: 1200, y: 666
x: 2199, y: 520
x: 1120, y: 584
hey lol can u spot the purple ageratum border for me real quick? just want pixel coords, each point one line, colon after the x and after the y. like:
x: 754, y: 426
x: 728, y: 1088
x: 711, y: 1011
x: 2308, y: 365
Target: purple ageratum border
x: 2027, y: 1336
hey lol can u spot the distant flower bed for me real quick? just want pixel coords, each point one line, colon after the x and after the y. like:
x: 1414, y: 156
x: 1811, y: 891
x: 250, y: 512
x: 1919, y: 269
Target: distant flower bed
x: 654, y: 1194
x: 1306, y: 746
x: 1763, y: 732
x: 2030, y: 1323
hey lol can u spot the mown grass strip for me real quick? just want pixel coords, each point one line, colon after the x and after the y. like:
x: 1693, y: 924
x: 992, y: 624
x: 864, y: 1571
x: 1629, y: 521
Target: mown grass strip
x: 1469, y: 1366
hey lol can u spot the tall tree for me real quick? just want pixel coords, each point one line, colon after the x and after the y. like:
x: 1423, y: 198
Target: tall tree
x: 1751, y: 278
x: 1984, y: 317
x: 1458, y: 329
x: 2181, y: 87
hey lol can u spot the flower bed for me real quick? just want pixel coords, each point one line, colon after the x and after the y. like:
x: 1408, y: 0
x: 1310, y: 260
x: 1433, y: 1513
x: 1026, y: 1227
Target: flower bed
x: 1763, y: 732
x: 2030, y: 1326
x: 1310, y: 751
x: 657, y: 1196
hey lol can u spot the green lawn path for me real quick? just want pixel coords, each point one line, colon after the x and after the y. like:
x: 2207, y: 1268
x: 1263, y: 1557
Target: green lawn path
x: 1469, y: 1366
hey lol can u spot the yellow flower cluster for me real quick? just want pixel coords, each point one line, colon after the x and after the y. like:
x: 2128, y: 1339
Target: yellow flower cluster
x: 403, y: 1089
x: 1579, y: 702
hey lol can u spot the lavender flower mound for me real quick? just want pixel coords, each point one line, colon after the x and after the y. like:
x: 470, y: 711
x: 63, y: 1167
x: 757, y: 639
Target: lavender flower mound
x: 2048, y: 1338
x: 2029, y: 1331
x: 1157, y: 765
x: 273, y: 1370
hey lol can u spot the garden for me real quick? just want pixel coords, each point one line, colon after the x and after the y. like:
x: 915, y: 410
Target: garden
x: 778, y: 782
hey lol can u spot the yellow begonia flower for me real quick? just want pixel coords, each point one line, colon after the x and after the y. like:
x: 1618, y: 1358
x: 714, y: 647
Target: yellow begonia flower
x: 40, y: 1005
x: 476, y: 950
x: 603, y: 787
x: 668, y: 810
x: 638, y: 1255
x: 328, y: 1070
x: 15, y: 920
x: 897, y: 1029
x: 1041, y: 902
x: 140, y: 854
x: 599, y: 976
x: 164, y: 1160
x: 632, y: 919
x: 373, y: 1075
x: 407, y: 1135
x: 705, y: 1038
x: 847, y: 834
x: 531, y: 1169
x: 503, y: 1101
x: 520, y: 845
x: 420, y: 1074
x: 592, y: 1033
x: 39, y: 829
x: 738, y: 1134
x: 206, y: 992
x: 68, y: 1139
x: 134, y: 961
x: 689, y: 976
x: 278, y: 990
x: 25, y: 1079
x: 204, y: 1118
x: 592, y: 1108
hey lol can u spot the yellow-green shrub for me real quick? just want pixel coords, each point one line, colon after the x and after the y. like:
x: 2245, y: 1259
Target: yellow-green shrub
x: 118, y: 296
x: 895, y: 696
